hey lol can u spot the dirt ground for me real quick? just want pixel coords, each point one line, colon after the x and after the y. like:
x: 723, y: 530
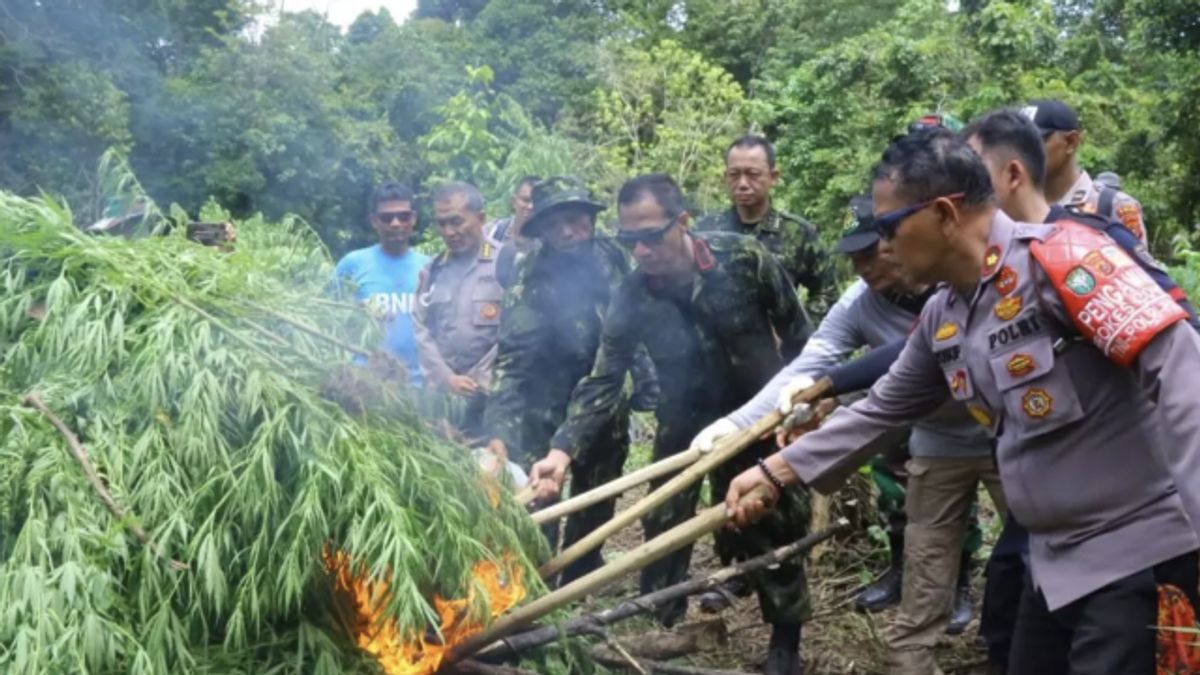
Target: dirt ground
x: 838, y: 640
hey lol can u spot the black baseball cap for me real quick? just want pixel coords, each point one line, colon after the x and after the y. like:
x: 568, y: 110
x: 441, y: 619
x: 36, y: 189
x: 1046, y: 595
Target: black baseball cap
x: 859, y: 233
x: 1051, y: 115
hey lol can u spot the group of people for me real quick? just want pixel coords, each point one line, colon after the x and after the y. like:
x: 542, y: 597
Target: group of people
x: 1019, y: 336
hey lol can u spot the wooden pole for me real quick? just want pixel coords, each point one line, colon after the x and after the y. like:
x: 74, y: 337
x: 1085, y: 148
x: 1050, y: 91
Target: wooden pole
x: 614, y: 488
x: 590, y: 623
x: 672, y: 540
x: 725, y: 449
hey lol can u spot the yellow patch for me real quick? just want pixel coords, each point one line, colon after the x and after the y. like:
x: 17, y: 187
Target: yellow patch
x: 1037, y: 402
x: 1008, y: 308
x: 946, y: 331
x: 1020, y: 365
x: 982, y: 416
x: 489, y: 311
x: 991, y: 258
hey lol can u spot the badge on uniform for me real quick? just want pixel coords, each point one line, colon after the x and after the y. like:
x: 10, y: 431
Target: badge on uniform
x: 1006, y: 280
x: 980, y: 415
x: 1096, y: 262
x: 1130, y: 216
x: 1037, y: 402
x: 1008, y: 308
x: 946, y: 331
x: 1020, y: 364
x: 1080, y: 281
x: 489, y: 311
x: 991, y: 259
x: 959, y: 384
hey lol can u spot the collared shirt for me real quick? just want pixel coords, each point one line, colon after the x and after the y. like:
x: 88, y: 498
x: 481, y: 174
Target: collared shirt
x: 1085, y: 195
x: 713, y: 342
x: 458, y: 315
x: 796, y: 244
x: 1090, y: 453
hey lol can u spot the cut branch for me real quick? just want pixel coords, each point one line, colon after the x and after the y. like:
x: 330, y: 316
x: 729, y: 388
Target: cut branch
x: 608, y: 658
x: 33, y: 400
x: 304, y: 328
x: 590, y: 623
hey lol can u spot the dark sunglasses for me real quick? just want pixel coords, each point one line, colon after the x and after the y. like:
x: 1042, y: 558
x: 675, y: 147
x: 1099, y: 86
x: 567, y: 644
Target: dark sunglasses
x: 631, y: 238
x: 387, y: 217
x: 888, y: 223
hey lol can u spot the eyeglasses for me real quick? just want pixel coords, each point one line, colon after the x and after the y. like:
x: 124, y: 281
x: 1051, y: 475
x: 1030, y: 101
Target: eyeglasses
x: 650, y: 237
x: 386, y: 217
x: 888, y: 223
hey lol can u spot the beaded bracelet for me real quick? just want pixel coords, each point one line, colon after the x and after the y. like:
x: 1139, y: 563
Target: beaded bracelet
x: 770, y: 476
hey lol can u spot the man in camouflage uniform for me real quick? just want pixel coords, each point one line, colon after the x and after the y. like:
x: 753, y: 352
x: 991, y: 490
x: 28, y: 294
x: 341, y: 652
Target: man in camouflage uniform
x: 458, y: 307
x: 714, y: 311
x: 1071, y: 186
x: 750, y: 174
x: 549, y: 334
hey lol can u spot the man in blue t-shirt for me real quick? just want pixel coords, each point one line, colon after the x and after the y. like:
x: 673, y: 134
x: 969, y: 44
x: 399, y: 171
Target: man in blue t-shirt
x: 384, y: 276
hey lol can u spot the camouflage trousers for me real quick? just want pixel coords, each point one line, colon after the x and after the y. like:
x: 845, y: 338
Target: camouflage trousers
x: 890, y: 478
x: 782, y: 591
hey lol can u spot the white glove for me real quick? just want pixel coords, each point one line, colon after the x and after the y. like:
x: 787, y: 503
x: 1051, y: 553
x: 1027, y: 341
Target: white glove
x: 708, y: 437
x: 789, y: 390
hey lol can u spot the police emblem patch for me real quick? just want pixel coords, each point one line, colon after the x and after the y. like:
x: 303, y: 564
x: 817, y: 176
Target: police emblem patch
x: 1037, y: 402
x: 1020, y: 365
x: 958, y: 381
x: 489, y: 311
x: 1096, y: 262
x: 982, y: 416
x: 1008, y: 308
x: 946, y: 331
x: 990, y: 260
x: 1130, y: 216
x: 1006, y: 280
x: 1080, y: 281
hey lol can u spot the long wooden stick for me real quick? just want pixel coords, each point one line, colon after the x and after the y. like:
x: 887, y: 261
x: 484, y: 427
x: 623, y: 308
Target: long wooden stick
x: 725, y: 449
x: 590, y: 623
x: 681, y: 535
x: 646, y: 665
x: 320, y: 335
x: 33, y: 400
x: 614, y: 488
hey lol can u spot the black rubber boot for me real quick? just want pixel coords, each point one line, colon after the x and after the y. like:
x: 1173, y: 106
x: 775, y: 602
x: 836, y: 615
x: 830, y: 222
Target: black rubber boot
x: 721, y: 598
x: 783, y: 652
x: 884, y: 592
x: 964, y: 604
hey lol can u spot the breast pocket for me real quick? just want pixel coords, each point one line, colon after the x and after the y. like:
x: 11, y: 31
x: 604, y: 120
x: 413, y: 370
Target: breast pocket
x: 486, y: 300
x: 1038, y: 398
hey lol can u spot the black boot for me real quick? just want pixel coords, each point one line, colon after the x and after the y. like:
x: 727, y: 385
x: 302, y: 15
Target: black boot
x: 884, y: 592
x: 783, y: 652
x: 964, y: 605
x: 721, y: 598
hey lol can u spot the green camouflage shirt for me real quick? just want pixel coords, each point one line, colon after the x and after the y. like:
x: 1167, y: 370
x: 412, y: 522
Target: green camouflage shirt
x: 714, y: 343
x: 795, y: 242
x: 549, y: 333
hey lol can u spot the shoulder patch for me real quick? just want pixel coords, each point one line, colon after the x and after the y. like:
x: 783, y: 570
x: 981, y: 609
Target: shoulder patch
x: 946, y: 331
x: 1120, y: 311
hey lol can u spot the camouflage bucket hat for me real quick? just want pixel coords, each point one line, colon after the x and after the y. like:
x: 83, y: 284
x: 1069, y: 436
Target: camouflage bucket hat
x: 555, y: 194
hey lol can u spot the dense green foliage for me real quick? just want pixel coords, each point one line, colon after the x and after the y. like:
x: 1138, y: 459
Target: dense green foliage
x: 207, y: 411
x: 290, y: 115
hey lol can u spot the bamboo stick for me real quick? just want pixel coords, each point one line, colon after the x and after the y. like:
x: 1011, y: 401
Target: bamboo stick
x: 725, y: 449
x: 526, y: 496
x: 709, y: 520
x: 310, y: 330
x: 614, y: 488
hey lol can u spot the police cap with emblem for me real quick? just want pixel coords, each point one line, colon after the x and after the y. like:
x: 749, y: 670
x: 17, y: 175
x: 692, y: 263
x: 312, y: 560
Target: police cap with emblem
x: 1051, y: 115
x: 859, y: 233
x: 554, y: 195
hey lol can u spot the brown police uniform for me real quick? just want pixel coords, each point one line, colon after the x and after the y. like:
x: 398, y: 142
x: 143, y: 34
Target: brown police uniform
x: 1087, y: 375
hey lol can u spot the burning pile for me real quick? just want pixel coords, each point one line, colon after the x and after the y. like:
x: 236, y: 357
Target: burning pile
x: 194, y: 380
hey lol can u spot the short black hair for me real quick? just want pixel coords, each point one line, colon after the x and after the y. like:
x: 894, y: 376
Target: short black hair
x: 1013, y: 131
x: 662, y: 187
x: 934, y: 162
x: 389, y: 192
x: 526, y: 180
x: 753, y: 141
x: 447, y: 191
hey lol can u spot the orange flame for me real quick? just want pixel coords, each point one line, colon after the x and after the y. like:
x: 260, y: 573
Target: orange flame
x: 383, y: 640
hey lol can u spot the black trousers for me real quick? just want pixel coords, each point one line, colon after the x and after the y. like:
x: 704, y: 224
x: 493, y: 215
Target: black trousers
x: 1108, y: 632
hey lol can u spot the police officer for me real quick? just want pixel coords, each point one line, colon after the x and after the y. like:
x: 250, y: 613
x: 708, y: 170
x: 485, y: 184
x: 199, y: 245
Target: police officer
x: 458, y: 305
x: 1085, y: 372
x: 951, y: 454
x: 549, y: 335
x: 709, y: 309
x: 1069, y: 185
x: 750, y: 174
x: 506, y: 232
